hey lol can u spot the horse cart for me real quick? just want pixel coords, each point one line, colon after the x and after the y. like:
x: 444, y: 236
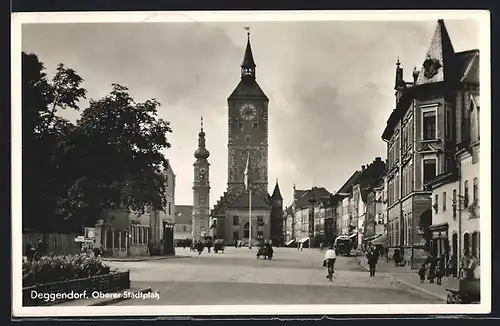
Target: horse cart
x: 465, y: 289
x: 265, y: 251
x: 219, y: 246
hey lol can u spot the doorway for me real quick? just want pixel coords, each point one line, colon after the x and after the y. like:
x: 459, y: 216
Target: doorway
x: 246, y: 230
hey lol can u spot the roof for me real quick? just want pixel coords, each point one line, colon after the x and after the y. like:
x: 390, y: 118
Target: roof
x: 441, y: 52
x: 248, y: 88
x: 248, y: 61
x: 276, y: 193
x: 183, y: 214
x: 315, y: 192
x: 242, y: 201
x: 347, y: 187
x: 467, y: 63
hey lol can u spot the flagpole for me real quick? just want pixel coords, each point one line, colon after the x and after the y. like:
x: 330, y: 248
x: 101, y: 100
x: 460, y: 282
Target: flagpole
x: 249, y: 218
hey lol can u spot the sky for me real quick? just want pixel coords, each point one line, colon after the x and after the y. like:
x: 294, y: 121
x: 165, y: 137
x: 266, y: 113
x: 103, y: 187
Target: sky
x: 330, y: 85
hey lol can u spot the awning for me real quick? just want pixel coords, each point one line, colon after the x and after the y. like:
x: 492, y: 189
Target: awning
x: 382, y: 240
x: 373, y: 237
x: 290, y: 242
x: 303, y: 240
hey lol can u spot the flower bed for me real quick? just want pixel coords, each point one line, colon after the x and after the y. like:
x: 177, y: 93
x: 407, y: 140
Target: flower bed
x: 53, y: 279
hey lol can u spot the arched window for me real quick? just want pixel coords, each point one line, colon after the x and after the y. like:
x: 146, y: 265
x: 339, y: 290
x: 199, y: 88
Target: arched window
x: 467, y: 247
x: 466, y: 194
x: 475, y: 190
x: 246, y: 230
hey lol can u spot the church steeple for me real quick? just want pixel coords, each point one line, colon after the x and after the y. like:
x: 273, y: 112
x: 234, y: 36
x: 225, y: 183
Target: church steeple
x: 276, y: 193
x: 248, y: 64
x: 201, y: 152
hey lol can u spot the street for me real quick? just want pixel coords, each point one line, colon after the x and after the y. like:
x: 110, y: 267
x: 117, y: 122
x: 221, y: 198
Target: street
x: 238, y: 277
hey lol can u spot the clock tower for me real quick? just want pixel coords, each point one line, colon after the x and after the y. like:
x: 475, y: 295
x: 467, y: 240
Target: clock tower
x: 248, y: 131
x: 201, y: 189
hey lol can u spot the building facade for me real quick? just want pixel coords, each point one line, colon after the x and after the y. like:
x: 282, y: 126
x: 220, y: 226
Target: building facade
x: 168, y: 214
x: 247, y: 199
x: 420, y: 140
x: 455, y: 221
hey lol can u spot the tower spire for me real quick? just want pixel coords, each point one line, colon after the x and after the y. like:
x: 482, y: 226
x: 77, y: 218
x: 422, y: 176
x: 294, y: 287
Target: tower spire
x: 201, y: 152
x: 400, y: 83
x: 248, y: 64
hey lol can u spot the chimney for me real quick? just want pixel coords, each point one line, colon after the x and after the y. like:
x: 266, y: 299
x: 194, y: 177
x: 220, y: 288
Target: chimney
x: 377, y: 159
x: 363, y: 167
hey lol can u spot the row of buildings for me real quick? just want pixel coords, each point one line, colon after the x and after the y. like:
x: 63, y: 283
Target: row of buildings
x: 425, y: 197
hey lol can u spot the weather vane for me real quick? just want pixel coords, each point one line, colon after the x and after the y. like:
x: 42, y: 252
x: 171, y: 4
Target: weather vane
x: 201, y: 123
x: 248, y: 30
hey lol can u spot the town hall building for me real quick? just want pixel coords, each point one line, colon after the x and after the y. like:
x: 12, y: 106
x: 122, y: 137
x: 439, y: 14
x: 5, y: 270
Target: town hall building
x: 248, y: 156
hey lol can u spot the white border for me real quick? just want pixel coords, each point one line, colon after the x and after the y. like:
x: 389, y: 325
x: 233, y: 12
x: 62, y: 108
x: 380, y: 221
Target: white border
x: 18, y: 19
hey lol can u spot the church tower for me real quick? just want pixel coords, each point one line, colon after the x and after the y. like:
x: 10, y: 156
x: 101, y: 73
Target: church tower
x: 248, y: 131
x: 201, y: 189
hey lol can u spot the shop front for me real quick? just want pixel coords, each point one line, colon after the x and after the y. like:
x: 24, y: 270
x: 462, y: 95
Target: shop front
x: 440, y: 246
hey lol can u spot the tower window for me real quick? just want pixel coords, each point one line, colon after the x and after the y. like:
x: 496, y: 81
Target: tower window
x: 247, y: 139
x: 255, y: 125
x: 236, y: 220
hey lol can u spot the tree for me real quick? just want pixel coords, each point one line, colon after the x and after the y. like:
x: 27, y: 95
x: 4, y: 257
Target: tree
x: 117, y: 159
x: 73, y: 174
x: 43, y: 135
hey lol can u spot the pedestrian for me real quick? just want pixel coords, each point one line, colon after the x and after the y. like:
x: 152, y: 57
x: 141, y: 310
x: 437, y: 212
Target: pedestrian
x: 321, y: 245
x: 372, y: 261
x: 301, y: 246
x: 386, y: 252
x: 421, y: 273
x: 439, y: 272
x: 329, y: 262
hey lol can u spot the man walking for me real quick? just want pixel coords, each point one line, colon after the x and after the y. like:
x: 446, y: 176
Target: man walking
x: 372, y: 261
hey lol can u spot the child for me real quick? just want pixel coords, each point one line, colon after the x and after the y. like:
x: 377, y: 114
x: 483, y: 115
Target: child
x: 421, y: 273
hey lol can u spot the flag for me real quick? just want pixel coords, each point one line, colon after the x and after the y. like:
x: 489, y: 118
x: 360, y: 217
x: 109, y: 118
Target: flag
x: 246, y: 172
x: 247, y: 28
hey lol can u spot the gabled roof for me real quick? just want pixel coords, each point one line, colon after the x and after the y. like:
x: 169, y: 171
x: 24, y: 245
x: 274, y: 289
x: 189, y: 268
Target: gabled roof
x: 441, y: 52
x: 183, y: 214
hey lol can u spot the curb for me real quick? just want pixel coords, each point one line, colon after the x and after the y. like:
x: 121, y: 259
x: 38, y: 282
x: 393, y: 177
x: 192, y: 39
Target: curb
x: 411, y: 286
x: 115, y: 300
x: 416, y: 288
x: 142, y: 259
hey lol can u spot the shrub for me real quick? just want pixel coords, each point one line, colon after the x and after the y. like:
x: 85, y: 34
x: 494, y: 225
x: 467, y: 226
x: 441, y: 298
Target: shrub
x: 51, y: 269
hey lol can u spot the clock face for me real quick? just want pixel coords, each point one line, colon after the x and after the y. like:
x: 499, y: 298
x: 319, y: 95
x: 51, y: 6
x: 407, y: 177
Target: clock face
x: 248, y: 111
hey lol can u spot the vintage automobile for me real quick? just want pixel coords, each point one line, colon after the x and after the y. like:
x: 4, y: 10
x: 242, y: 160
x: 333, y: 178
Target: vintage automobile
x: 343, y: 245
x: 219, y: 245
x: 465, y: 289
